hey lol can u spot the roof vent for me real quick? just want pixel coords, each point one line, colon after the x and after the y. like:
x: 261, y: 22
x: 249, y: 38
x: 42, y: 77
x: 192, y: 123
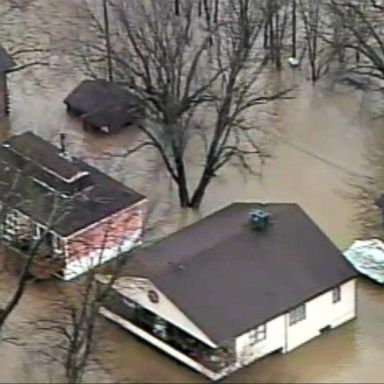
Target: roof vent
x: 259, y: 219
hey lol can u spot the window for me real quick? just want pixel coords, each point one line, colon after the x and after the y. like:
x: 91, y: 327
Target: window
x: 336, y: 295
x: 57, y: 244
x: 297, y: 314
x: 257, y: 335
x: 38, y: 231
x: 11, y: 218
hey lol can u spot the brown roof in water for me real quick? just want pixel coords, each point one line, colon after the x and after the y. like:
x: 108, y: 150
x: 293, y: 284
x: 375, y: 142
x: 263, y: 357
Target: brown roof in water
x: 103, y: 103
x: 228, y: 278
x: 34, y: 178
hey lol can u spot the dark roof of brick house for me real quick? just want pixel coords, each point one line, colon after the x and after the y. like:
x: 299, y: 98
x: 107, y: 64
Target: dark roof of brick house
x: 37, y: 180
x: 33, y: 149
x: 103, y: 103
x: 6, y: 61
x: 228, y: 278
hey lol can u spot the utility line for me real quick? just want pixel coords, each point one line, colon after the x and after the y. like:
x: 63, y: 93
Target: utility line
x: 317, y: 157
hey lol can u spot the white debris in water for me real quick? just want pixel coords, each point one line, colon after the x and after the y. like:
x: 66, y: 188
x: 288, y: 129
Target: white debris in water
x: 293, y: 62
x: 367, y: 256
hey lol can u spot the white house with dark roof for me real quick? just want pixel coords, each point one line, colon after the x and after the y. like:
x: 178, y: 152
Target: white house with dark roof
x: 228, y: 290
x: 70, y: 214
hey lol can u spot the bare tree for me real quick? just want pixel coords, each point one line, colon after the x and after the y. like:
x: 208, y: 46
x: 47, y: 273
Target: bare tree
x: 24, y: 54
x: 294, y: 27
x: 107, y: 40
x: 198, y: 81
x: 277, y: 17
x: 75, y: 331
x: 56, y: 214
x: 363, y: 34
x: 319, y: 55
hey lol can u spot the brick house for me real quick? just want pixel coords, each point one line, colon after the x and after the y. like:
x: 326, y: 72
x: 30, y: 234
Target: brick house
x: 65, y: 210
x: 6, y: 63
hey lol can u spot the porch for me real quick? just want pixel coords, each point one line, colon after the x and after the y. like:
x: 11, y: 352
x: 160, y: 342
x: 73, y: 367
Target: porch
x: 212, y: 362
x: 213, y: 359
x: 169, y: 349
x: 25, y: 239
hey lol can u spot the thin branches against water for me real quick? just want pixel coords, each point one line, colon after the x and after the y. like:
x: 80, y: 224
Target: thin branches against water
x: 198, y: 81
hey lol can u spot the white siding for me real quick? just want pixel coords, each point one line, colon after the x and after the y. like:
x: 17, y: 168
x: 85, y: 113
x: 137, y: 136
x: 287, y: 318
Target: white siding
x: 322, y: 312
x: 246, y: 353
x: 137, y: 290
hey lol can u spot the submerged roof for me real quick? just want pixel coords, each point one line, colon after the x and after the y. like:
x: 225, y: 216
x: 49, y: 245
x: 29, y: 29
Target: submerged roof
x: 228, y: 278
x: 37, y: 180
x: 6, y: 61
x: 103, y: 103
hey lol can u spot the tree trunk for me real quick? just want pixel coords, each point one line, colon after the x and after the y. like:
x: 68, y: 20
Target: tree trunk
x: 216, y: 12
x: 182, y: 183
x: 21, y: 287
x: 108, y: 41
x: 294, y: 28
x: 313, y: 70
x: 272, y: 47
x: 7, y: 102
x: 177, y: 7
x: 265, y: 40
x: 183, y: 196
x: 199, y: 193
x: 277, y: 38
x: 207, y: 12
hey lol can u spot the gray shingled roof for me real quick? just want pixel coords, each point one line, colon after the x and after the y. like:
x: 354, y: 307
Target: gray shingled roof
x: 26, y: 158
x: 103, y: 103
x: 228, y: 278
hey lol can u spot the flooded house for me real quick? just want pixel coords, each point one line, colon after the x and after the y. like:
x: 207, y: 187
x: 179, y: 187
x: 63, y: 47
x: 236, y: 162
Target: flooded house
x: 245, y: 282
x: 66, y: 213
x: 6, y: 63
x: 104, y: 106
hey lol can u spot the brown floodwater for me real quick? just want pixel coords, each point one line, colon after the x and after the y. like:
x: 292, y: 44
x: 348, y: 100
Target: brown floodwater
x: 324, y: 145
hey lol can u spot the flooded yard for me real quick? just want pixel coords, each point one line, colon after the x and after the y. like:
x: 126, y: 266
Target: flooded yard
x: 322, y: 144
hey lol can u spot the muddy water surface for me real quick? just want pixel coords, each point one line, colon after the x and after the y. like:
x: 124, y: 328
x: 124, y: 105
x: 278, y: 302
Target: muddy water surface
x: 320, y: 143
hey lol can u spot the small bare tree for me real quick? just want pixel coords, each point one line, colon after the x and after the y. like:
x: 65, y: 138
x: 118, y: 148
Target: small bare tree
x: 14, y: 199
x: 74, y: 333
